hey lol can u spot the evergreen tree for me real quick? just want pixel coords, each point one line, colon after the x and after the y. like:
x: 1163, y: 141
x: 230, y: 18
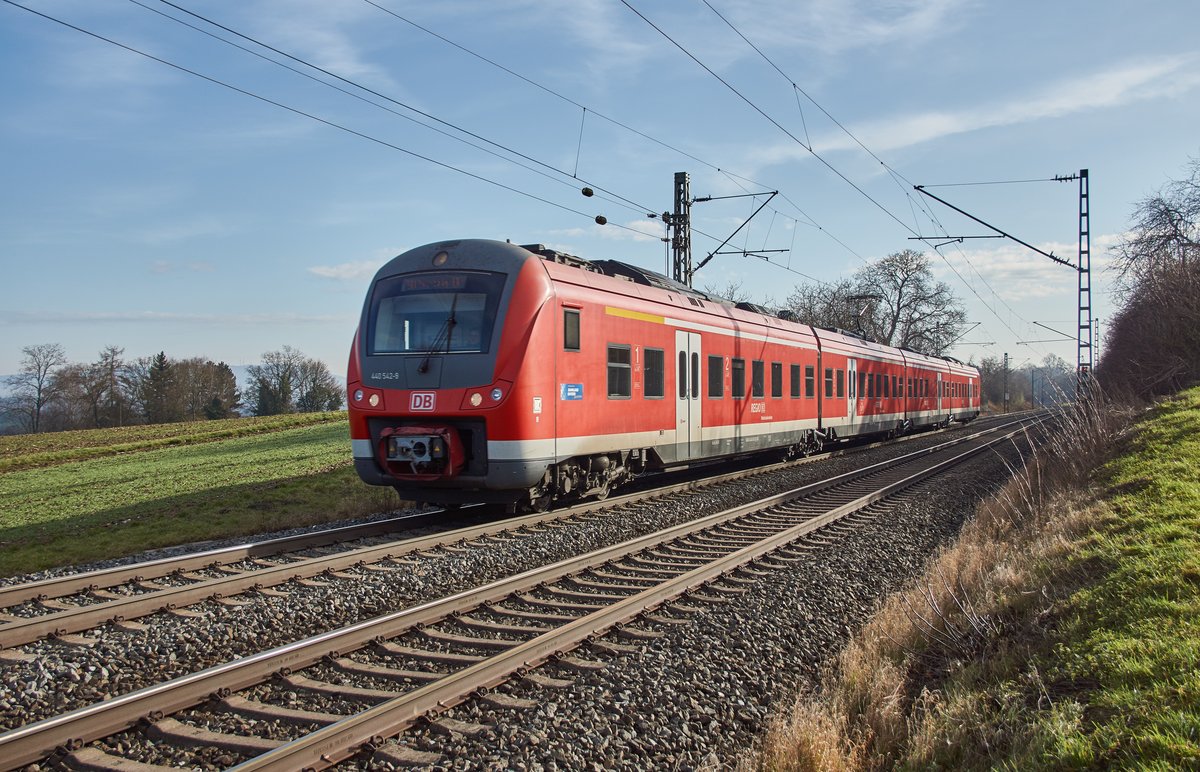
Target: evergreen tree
x: 159, y: 396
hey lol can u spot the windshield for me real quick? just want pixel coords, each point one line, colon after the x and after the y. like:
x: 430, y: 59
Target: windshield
x: 430, y: 313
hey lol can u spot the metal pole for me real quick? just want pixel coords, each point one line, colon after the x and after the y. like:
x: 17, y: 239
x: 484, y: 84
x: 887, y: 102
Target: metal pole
x: 1006, y: 382
x: 681, y: 230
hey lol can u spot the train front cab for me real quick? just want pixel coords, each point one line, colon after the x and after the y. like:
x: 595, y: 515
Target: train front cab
x: 435, y: 374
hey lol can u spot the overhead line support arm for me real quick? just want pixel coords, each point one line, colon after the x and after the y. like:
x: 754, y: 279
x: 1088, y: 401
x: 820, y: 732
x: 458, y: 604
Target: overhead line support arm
x: 921, y: 189
x: 704, y: 262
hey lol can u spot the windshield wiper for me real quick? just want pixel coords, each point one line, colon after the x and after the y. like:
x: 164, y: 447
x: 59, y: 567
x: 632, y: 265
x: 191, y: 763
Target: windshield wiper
x: 442, y: 341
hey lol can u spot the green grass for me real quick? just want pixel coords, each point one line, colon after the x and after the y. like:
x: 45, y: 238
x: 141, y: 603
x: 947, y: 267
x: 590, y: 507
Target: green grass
x: 1098, y: 662
x: 144, y: 490
x: 1128, y: 645
x: 26, y: 451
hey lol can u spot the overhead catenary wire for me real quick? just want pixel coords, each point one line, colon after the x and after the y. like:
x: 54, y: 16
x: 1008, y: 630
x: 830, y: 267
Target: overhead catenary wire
x: 914, y: 203
x: 585, y: 110
x: 568, y: 182
x: 598, y: 114
x: 633, y: 204
x: 318, y: 119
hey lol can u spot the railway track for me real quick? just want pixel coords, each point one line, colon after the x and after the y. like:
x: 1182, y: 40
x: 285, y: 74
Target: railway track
x: 447, y: 651
x: 62, y: 607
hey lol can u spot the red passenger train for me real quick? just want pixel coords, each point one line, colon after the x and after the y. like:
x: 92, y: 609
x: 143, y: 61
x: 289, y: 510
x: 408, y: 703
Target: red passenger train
x: 486, y: 371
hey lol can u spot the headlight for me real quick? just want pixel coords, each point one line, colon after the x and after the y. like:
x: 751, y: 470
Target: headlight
x: 497, y: 394
x: 358, y: 395
x: 476, y: 399
x: 374, y: 400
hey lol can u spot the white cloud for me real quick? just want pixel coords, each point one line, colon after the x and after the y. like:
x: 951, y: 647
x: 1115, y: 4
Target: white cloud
x: 320, y: 32
x: 354, y: 270
x: 1129, y: 82
x: 836, y: 26
x: 1019, y: 274
x: 191, y: 229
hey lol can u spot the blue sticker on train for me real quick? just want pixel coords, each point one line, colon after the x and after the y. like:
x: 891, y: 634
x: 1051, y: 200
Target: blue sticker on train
x: 572, y: 391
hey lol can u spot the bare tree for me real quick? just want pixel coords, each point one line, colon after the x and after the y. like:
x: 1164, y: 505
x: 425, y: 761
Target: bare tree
x: 317, y: 391
x: 33, y: 387
x: 895, y: 301
x: 826, y: 305
x: 274, y: 382
x: 1165, y: 233
x: 1153, y: 344
x: 289, y: 382
x: 731, y: 291
x: 206, y: 389
x: 95, y: 392
x: 81, y: 396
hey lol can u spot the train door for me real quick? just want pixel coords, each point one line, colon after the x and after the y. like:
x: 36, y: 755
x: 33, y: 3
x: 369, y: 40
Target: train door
x: 851, y: 393
x: 687, y: 393
x: 939, y: 393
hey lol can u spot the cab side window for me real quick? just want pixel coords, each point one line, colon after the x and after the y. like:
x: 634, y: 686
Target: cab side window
x: 570, y: 329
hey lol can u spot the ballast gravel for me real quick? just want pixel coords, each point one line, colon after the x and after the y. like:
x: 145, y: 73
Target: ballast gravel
x: 702, y: 693
x: 695, y: 696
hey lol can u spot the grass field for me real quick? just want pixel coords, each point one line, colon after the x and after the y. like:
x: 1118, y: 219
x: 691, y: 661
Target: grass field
x: 84, y: 496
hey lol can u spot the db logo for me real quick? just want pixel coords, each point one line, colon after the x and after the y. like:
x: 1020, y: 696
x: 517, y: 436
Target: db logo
x: 421, y: 400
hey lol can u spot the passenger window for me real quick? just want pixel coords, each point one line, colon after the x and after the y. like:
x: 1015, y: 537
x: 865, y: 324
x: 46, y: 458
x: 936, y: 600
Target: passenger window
x: 794, y: 373
x: 757, y: 387
x: 841, y: 380
x: 653, y: 376
x: 810, y: 386
x: 620, y: 372
x: 739, y: 379
x: 828, y: 383
x: 570, y: 329
x: 776, y: 379
x: 716, y: 377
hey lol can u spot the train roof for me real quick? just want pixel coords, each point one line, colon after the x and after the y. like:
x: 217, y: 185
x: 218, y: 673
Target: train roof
x: 648, y: 278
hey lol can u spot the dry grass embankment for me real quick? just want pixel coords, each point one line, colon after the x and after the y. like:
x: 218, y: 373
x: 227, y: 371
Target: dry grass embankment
x: 1060, y: 631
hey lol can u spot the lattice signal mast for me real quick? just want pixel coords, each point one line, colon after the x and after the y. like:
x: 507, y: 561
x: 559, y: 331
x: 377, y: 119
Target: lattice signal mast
x: 680, y: 224
x: 1086, y: 348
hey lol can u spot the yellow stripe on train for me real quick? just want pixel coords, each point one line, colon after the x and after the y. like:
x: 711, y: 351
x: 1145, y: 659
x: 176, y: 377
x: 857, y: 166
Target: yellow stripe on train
x: 625, y: 313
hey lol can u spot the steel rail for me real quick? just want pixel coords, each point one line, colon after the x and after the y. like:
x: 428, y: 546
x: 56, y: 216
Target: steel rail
x: 345, y: 738
x: 17, y: 631
x: 60, y: 586
x: 71, y: 730
x: 22, y: 630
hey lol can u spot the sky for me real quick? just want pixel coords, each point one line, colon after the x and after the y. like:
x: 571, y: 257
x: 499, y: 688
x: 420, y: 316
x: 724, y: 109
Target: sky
x: 210, y: 202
